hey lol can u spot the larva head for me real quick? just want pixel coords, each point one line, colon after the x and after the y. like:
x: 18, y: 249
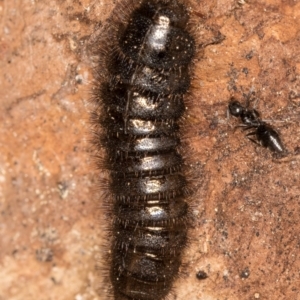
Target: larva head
x: 175, y: 13
x: 156, y: 37
x: 172, y: 10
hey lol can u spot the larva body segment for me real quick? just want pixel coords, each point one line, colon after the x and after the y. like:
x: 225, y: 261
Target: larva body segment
x: 142, y: 101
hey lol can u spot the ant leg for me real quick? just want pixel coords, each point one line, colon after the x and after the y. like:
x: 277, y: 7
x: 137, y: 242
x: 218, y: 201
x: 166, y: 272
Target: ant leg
x: 251, y: 133
x: 282, y: 157
x: 248, y: 97
x: 245, y: 127
x: 254, y: 141
x: 285, y: 157
x: 251, y: 139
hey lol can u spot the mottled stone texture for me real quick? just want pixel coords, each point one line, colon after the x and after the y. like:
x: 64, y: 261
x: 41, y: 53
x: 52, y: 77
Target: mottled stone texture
x: 248, y: 207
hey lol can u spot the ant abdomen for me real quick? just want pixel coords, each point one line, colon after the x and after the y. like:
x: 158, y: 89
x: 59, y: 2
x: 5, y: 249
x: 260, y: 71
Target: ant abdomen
x: 269, y: 138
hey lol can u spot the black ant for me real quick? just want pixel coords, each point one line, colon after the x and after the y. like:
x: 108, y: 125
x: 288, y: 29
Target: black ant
x: 266, y: 136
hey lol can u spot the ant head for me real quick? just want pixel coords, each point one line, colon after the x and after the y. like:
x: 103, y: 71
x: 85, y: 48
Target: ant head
x: 235, y: 108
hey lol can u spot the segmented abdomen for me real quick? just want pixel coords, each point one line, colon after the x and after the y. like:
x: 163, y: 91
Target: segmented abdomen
x: 143, y: 100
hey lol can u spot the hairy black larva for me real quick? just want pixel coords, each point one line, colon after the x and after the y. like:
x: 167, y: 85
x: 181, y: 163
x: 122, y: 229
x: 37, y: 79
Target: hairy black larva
x: 144, y: 74
x: 265, y: 134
